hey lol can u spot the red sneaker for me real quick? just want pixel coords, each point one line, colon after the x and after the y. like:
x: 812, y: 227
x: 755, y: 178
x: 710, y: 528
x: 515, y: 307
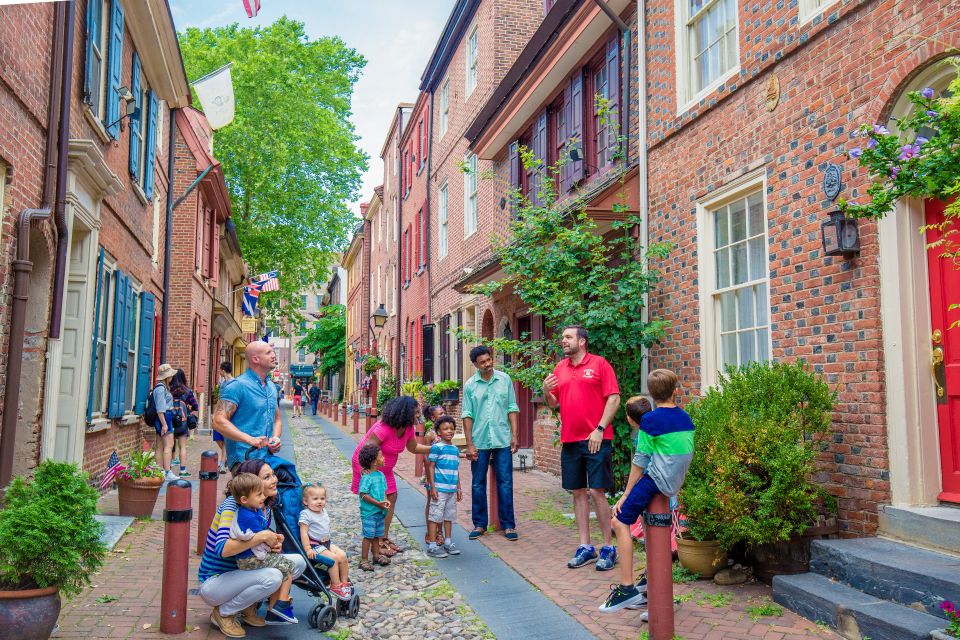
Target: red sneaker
x: 341, y: 591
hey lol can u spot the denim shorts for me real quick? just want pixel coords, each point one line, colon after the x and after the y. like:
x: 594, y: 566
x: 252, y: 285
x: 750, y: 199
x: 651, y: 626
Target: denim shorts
x: 372, y: 525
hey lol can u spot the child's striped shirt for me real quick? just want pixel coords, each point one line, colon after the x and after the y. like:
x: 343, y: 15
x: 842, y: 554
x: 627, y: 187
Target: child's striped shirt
x: 446, y: 466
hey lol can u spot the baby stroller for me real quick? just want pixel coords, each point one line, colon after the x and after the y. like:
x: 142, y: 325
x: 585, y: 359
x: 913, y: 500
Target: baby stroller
x: 315, y: 580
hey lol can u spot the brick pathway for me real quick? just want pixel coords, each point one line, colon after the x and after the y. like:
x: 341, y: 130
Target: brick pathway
x: 548, y: 539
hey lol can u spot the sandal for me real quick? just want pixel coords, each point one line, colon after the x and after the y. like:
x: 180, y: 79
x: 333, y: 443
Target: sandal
x: 390, y: 544
x: 365, y: 565
x: 382, y: 560
x: 387, y: 551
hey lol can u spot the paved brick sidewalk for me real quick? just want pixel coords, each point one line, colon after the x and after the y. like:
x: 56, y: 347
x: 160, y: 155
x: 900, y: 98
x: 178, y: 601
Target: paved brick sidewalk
x: 548, y: 539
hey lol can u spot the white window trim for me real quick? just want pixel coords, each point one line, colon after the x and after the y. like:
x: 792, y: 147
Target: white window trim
x: 685, y: 103
x: 473, y: 62
x: 104, y: 46
x: 806, y: 13
x: 109, y: 264
x: 706, y: 270
x: 471, y: 213
x: 444, y: 107
x: 443, y: 221
x: 135, y: 288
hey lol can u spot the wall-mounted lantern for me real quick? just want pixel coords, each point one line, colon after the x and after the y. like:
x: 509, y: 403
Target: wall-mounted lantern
x: 840, y: 236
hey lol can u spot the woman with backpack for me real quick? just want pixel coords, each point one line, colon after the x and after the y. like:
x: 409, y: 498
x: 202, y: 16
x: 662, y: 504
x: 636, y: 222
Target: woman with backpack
x: 160, y: 412
x: 185, y: 408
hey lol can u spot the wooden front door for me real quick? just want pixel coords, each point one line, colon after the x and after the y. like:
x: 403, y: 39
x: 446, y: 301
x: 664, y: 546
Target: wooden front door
x: 945, y: 347
x: 527, y: 408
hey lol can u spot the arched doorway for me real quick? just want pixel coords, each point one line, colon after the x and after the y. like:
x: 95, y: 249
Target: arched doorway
x: 486, y: 327
x: 916, y: 298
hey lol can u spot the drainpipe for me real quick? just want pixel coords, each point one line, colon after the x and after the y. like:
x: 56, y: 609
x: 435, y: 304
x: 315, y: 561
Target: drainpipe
x: 429, y: 236
x: 60, y: 85
x: 168, y: 239
x: 643, y: 201
x: 400, y: 258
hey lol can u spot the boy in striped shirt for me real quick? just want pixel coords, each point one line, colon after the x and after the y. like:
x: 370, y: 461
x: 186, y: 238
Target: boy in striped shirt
x: 443, y: 478
x: 660, y: 463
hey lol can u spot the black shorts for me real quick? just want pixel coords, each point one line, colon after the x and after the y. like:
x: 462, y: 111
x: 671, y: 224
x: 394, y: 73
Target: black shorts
x: 580, y: 469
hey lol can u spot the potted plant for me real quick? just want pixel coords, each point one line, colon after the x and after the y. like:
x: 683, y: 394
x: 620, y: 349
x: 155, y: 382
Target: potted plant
x: 373, y: 363
x: 757, y: 435
x: 449, y: 390
x: 138, y: 484
x: 953, y: 623
x: 49, y: 544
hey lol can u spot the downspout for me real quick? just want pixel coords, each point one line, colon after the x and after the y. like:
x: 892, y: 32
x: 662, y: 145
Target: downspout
x: 168, y: 238
x: 429, y: 235
x: 642, y: 161
x: 400, y: 263
x: 55, y: 158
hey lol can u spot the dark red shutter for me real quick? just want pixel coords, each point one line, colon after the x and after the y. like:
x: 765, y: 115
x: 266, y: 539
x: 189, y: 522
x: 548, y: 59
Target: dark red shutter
x: 539, y: 150
x: 575, y: 132
x: 214, y: 249
x: 564, y: 129
x: 199, y: 243
x: 613, y: 95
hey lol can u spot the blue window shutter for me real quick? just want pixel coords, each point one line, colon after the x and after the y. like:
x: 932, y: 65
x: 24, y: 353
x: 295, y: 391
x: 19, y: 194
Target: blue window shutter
x: 136, y: 126
x: 145, y: 355
x: 127, y: 377
x: 117, y: 355
x: 93, y: 28
x: 151, y: 145
x: 115, y: 66
x: 96, y: 324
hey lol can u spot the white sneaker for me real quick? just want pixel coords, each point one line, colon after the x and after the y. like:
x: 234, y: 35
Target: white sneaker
x: 172, y: 477
x: 451, y: 549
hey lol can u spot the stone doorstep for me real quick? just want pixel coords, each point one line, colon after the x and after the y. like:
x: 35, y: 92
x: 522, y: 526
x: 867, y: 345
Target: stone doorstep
x: 113, y: 529
x: 936, y: 528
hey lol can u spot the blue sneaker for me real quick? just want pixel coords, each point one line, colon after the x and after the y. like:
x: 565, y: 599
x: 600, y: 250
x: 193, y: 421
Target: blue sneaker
x: 281, y: 613
x: 585, y: 553
x: 608, y: 558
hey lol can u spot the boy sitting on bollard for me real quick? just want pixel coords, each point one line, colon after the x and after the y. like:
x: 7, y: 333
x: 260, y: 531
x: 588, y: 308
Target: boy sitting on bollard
x: 663, y: 454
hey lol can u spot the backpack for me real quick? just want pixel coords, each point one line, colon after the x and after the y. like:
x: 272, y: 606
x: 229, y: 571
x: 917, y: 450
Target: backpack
x: 181, y: 415
x: 150, y: 413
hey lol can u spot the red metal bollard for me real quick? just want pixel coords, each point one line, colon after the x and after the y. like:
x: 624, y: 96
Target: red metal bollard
x: 657, y: 532
x: 209, y: 474
x: 176, y: 558
x: 343, y: 416
x: 356, y: 419
x: 371, y: 417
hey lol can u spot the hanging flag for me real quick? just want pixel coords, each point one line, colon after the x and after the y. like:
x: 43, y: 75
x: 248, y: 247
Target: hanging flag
x: 215, y: 91
x: 269, y: 281
x: 252, y: 7
x: 251, y: 295
x: 113, y: 468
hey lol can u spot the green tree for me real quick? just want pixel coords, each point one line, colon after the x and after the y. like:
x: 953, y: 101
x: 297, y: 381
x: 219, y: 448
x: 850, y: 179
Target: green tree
x: 328, y: 339
x: 290, y: 157
x: 564, y: 267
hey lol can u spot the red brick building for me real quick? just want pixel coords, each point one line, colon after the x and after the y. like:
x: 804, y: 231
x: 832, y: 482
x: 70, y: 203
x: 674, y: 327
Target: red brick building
x: 416, y: 328
x: 355, y: 261
x: 198, y: 224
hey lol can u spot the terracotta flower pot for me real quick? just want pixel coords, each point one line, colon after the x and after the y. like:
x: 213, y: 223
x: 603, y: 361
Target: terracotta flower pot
x: 705, y: 558
x: 29, y: 614
x: 138, y: 497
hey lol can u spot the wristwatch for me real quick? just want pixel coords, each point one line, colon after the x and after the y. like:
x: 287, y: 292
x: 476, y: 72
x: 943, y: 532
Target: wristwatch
x: 600, y: 427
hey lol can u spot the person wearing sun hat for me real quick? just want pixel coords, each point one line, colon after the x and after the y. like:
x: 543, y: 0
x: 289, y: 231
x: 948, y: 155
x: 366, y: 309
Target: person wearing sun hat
x: 163, y: 401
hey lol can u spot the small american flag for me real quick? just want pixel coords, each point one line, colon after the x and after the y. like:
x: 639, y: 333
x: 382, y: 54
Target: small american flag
x: 252, y: 7
x: 113, y: 468
x: 269, y: 281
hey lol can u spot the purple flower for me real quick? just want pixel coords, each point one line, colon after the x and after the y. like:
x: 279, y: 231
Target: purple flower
x: 855, y: 152
x: 927, y: 93
x: 920, y: 141
x: 933, y: 114
x: 894, y: 171
x: 871, y: 143
x: 908, y: 151
x: 880, y: 130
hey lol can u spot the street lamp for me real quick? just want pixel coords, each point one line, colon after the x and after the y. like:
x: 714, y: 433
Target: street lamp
x: 378, y: 319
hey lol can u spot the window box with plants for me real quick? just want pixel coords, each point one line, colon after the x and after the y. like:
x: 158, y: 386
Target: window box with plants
x: 49, y: 545
x: 449, y: 390
x: 138, y: 484
x: 749, y: 485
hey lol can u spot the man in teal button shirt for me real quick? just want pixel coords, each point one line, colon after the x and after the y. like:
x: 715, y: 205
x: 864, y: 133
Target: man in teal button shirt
x: 489, y: 412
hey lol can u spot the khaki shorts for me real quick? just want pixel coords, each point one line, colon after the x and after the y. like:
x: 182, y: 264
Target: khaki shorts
x: 444, y: 508
x: 285, y: 565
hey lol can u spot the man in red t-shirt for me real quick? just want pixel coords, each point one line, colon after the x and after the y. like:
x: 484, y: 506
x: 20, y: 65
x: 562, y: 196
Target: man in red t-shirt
x: 584, y: 387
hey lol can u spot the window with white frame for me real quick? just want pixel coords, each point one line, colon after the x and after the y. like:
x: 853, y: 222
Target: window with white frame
x: 809, y: 9
x: 98, y: 31
x: 133, y: 324
x: 470, y: 196
x: 442, y: 220
x: 710, y: 35
x: 740, y: 296
x: 379, y: 285
x: 473, y: 44
x: 104, y: 328
x: 444, y: 107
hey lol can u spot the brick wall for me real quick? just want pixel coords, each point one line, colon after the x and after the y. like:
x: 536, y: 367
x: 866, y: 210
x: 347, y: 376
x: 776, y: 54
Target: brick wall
x: 834, y: 74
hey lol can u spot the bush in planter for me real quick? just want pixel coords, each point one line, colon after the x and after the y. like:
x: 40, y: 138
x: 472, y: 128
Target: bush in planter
x: 141, y: 464
x: 756, y: 438
x: 48, y: 535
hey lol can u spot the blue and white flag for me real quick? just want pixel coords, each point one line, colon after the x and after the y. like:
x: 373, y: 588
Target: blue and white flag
x: 251, y: 295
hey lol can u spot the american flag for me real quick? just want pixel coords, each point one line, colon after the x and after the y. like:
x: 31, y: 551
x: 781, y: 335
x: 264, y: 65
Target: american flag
x: 113, y: 468
x: 269, y: 281
x: 252, y: 7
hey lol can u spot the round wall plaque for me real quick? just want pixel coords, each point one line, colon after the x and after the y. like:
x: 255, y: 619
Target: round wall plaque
x: 832, y: 184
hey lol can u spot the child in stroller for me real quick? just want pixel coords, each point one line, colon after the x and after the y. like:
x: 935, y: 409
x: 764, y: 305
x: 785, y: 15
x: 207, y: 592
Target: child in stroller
x: 315, y: 580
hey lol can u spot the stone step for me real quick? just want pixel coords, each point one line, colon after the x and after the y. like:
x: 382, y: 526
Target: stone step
x: 936, y: 528
x: 854, y: 614
x: 889, y: 570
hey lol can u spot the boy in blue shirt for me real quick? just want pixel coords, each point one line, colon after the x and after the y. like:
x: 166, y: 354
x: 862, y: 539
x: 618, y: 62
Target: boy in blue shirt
x: 443, y: 478
x: 373, y: 504
x: 660, y: 462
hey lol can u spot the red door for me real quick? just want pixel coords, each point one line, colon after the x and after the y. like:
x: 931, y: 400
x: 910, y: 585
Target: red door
x: 527, y: 408
x: 945, y: 349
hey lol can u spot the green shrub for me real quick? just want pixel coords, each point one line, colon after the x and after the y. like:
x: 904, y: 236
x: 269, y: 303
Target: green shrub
x: 757, y: 434
x: 48, y: 536
x: 386, y: 391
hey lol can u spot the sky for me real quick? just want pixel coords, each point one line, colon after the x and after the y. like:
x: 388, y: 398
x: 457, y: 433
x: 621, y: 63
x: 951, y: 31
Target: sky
x: 395, y: 36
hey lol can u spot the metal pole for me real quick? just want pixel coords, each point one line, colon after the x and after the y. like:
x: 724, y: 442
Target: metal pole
x: 657, y: 533
x: 209, y: 474
x: 176, y: 558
